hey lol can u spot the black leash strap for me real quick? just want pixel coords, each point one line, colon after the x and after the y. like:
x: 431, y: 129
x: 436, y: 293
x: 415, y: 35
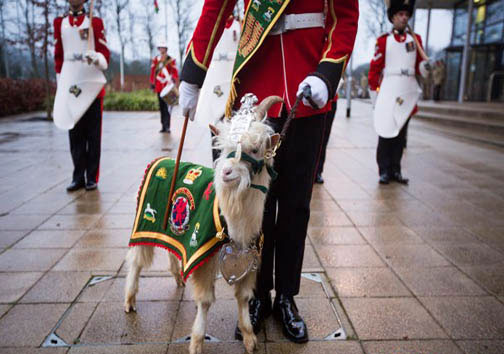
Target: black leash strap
x: 292, y: 114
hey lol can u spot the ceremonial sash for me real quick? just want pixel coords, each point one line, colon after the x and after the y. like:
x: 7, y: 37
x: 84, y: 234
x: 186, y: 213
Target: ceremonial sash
x: 260, y: 17
x: 194, y: 231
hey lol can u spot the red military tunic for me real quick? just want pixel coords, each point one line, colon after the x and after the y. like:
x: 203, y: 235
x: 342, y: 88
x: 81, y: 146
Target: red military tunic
x: 159, y: 77
x: 282, y: 61
x: 99, y: 40
x: 377, y: 64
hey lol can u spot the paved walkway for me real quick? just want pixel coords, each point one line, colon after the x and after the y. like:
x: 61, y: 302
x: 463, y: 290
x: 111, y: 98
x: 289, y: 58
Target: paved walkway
x: 387, y: 269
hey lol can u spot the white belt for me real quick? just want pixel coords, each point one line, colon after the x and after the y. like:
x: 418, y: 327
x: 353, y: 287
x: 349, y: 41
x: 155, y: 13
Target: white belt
x: 297, y: 21
x: 400, y: 72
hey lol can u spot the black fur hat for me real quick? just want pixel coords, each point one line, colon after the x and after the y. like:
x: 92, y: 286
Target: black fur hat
x: 394, y: 6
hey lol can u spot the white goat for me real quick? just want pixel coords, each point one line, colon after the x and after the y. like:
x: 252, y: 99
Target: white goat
x: 242, y: 208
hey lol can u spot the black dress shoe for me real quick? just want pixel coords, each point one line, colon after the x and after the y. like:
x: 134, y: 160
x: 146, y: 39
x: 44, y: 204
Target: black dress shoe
x: 259, y: 310
x: 91, y: 186
x: 319, y: 179
x: 384, y: 178
x: 286, y: 311
x: 72, y: 187
x: 399, y: 178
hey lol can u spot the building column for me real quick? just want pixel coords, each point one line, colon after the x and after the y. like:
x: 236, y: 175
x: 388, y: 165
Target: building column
x: 465, y: 54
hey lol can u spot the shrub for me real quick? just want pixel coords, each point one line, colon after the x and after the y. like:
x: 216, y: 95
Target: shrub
x: 20, y: 96
x: 141, y: 100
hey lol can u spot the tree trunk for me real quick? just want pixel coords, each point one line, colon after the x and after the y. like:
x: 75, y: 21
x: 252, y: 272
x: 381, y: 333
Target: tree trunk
x: 46, y: 59
x: 4, y: 45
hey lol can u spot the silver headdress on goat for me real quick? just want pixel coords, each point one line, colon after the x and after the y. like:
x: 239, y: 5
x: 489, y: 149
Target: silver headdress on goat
x: 249, y: 112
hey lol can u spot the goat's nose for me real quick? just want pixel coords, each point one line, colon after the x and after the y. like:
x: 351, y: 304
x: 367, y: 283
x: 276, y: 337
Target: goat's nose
x: 227, y: 171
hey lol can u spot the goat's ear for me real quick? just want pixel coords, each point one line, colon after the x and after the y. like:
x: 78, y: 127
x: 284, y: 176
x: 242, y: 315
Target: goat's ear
x: 214, y: 129
x: 274, y: 139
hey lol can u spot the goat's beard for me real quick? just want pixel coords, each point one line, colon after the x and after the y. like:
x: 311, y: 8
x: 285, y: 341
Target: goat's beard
x: 232, y: 195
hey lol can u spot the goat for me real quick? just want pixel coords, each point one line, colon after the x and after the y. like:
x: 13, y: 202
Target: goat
x: 246, y: 145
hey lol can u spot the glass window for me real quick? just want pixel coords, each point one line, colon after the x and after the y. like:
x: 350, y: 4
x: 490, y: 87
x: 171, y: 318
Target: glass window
x: 460, y: 25
x: 495, y: 11
x: 493, y: 33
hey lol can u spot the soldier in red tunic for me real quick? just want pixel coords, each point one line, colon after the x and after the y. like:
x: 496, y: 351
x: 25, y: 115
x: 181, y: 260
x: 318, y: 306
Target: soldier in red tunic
x: 163, y: 71
x: 396, y: 62
x: 70, y: 34
x: 284, y: 47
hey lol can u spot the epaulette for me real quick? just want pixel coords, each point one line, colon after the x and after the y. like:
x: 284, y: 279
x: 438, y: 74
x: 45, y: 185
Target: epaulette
x: 384, y: 34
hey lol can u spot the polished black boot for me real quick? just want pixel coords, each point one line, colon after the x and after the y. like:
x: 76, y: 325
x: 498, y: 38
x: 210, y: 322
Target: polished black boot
x: 397, y: 176
x: 286, y: 311
x: 259, y: 310
x: 75, y: 185
x: 319, y: 179
x: 384, y: 178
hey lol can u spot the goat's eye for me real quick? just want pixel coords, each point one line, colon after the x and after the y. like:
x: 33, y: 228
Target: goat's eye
x: 255, y: 151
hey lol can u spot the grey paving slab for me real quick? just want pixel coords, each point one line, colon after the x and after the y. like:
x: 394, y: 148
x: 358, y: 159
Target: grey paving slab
x: 390, y: 234
x: 481, y: 346
x: 441, y: 281
x: 333, y: 347
x: 74, y: 322
x: 50, y: 239
x: 57, y: 287
x: 150, y: 289
x: 33, y: 350
x: 444, y: 234
x: 406, y: 255
x: 366, y: 282
x: 349, y: 256
x: 490, y: 277
x: 7, y: 238
x: 119, y: 349
x: 92, y: 259
x: 344, y: 235
x: 28, y: 325
x: 29, y: 260
x: 15, y: 285
x: 216, y: 348
x: 468, y: 317
x: 105, y: 238
x: 153, y: 322
x: 391, y: 318
x: 22, y: 222
x: 4, y: 309
x: 471, y: 254
x: 412, y: 347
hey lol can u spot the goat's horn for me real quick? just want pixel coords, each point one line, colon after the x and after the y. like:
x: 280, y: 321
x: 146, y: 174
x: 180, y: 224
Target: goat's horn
x: 265, y: 105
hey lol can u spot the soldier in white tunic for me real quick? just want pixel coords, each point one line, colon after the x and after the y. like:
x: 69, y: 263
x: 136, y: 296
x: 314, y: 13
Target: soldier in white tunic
x: 394, y: 88
x: 80, y: 57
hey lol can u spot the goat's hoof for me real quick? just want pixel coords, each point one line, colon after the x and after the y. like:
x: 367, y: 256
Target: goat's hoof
x: 129, y: 307
x: 196, y: 347
x: 250, y: 343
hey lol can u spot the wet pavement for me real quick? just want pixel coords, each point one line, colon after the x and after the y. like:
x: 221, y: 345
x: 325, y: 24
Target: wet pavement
x: 387, y: 269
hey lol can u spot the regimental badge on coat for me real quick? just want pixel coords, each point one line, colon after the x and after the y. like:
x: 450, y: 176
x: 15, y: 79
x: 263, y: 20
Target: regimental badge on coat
x: 410, y: 46
x: 183, y: 204
x: 84, y: 34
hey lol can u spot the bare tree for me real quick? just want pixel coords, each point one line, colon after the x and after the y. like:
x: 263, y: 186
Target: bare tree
x: 3, y: 46
x: 378, y: 23
x: 131, y: 26
x: 182, y: 10
x: 149, y: 24
x: 29, y: 36
x: 119, y: 7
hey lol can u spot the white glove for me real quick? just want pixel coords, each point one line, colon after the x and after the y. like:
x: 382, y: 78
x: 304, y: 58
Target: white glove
x: 425, y: 67
x: 373, y: 95
x: 188, y: 98
x: 97, y: 59
x: 320, y: 93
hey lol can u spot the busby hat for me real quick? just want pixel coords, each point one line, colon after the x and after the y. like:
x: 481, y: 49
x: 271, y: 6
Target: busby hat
x: 394, y: 6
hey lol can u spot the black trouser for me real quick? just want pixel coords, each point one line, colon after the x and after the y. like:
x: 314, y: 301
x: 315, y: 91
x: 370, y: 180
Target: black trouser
x: 437, y: 92
x: 85, y: 144
x: 165, y: 114
x: 389, y: 152
x: 327, y: 132
x: 287, y: 208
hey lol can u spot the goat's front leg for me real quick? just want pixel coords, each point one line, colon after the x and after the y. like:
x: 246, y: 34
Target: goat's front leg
x: 203, y: 280
x: 243, y: 293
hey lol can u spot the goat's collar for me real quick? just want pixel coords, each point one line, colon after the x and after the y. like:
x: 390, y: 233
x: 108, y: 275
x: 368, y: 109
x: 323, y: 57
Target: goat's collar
x: 257, y: 166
